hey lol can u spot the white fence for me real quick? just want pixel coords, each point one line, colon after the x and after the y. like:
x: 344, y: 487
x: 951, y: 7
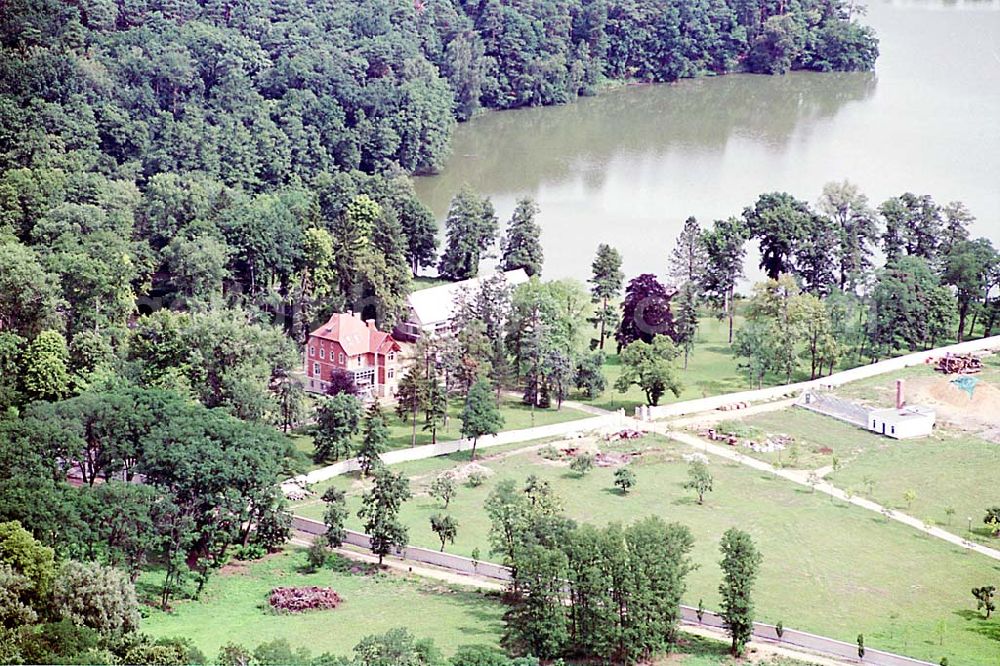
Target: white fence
x: 596, y: 423
x: 689, y: 615
x: 836, y: 379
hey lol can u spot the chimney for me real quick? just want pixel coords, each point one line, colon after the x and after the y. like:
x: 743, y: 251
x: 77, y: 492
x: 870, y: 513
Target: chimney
x: 900, y: 394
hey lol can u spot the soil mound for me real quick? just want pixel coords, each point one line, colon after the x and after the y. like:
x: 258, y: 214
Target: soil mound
x: 954, y: 405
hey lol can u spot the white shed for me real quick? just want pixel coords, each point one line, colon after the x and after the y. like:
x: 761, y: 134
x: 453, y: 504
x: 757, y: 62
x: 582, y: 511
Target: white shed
x: 903, y: 423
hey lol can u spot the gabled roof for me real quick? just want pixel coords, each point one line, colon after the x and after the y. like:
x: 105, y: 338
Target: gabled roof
x: 354, y: 335
x: 435, y: 304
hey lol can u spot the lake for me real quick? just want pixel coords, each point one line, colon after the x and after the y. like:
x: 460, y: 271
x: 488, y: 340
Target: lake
x: 628, y: 166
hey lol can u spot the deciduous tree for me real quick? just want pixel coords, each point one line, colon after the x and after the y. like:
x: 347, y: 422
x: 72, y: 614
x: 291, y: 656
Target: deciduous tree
x: 380, y: 512
x: 480, y: 415
x: 740, y: 566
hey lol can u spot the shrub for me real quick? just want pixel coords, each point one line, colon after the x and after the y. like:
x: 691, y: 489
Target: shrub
x: 251, y: 551
x: 550, y: 452
x: 96, y: 596
x: 317, y: 555
x: 299, y: 599
x: 582, y: 463
x: 475, y: 479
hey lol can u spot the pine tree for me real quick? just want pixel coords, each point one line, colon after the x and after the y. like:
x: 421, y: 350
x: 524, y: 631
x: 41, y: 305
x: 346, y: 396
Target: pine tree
x: 410, y: 398
x: 471, y: 228
x: 688, y: 259
x: 522, y: 247
x: 686, y: 318
x: 607, y: 281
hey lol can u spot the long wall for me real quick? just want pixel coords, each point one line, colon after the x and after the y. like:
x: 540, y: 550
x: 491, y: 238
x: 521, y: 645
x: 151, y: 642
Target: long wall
x: 689, y: 615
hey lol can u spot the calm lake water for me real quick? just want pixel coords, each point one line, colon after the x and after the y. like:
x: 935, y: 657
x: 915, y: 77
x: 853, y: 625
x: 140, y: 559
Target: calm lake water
x: 628, y: 166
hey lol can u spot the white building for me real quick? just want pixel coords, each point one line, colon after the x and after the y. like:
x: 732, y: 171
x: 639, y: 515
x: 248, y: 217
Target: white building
x: 902, y: 423
x: 431, y: 309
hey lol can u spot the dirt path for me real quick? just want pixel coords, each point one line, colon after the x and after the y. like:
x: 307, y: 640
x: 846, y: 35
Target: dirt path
x: 801, y: 477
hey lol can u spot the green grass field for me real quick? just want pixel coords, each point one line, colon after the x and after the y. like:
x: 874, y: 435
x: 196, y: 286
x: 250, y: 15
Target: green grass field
x: 819, y: 438
x: 517, y: 416
x: 712, y: 369
x: 233, y: 608
x: 948, y: 470
x: 829, y: 568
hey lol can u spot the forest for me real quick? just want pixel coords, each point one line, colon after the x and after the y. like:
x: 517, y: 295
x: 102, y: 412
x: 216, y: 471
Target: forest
x: 187, y: 186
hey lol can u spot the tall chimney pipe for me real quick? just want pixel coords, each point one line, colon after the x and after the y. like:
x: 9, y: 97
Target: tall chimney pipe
x: 900, y: 394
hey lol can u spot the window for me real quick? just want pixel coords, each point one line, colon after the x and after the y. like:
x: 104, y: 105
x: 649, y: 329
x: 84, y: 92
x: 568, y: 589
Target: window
x: 312, y: 350
x: 392, y: 373
x: 893, y: 430
x: 322, y: 353
x: 316, y: 369
x: 392, y: 356
x: 342, y: 358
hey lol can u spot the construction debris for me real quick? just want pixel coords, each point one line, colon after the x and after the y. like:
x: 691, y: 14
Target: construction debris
x: 624, y: 434
x: 959, y: 364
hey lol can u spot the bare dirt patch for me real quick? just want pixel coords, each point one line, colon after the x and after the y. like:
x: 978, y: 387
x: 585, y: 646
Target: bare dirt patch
x: 954, y: 406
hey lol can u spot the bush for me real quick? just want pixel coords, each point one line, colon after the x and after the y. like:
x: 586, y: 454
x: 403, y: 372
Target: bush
x: 479, y: 655
x: 299, y: 599
x: 251, y: 551
x: 550, y: 452
x: 317, y: 555
x: 96, y: 596
x: 475, y: 479
x: 582, y: 463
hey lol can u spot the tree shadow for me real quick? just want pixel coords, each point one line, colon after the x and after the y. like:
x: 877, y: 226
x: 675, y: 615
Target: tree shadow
x: 685, y: 501
x: 989, y: 629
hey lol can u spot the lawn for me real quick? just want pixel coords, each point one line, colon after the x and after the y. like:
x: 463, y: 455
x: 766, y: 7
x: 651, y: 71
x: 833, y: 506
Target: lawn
x: 828, y: 567
x: 712, y: 369
x: 948, y: 470
x: 516, y: 415
x: 233, y: 608
x: 818, y: 438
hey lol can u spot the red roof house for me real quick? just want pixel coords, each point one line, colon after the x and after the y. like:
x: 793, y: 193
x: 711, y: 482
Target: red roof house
x: 346, y: 342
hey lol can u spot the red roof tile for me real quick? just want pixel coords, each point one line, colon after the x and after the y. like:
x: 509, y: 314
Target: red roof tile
x: 355, y: 336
